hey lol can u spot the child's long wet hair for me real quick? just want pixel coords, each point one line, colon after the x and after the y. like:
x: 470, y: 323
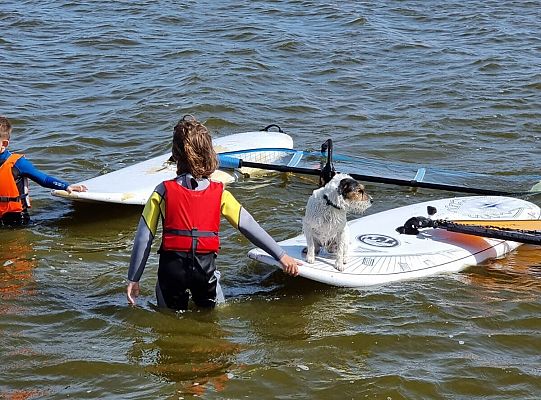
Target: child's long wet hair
x: 192, y: 148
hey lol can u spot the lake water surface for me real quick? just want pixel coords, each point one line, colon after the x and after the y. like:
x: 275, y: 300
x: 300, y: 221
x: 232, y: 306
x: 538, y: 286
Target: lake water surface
x: 93, y: 86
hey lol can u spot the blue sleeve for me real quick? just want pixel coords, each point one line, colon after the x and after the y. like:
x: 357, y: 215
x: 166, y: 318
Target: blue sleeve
x: 27, y: 169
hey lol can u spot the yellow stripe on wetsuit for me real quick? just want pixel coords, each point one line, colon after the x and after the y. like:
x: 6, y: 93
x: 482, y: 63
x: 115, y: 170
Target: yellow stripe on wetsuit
x: 154, y: 208
x: 230, y: 209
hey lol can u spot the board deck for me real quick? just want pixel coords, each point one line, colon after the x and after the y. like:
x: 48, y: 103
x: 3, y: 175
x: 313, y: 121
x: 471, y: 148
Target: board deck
x: 134, y: 184
x: 379, y: 254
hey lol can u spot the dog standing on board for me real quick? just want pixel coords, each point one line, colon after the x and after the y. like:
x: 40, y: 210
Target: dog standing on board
x: 325, y: 222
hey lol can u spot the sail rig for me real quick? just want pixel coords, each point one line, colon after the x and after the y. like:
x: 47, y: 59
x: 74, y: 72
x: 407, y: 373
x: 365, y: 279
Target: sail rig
x: 378, y: 171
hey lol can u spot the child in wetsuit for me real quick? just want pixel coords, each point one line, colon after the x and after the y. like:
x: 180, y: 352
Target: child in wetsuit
x: 15, y: 170
x: 189, y: 207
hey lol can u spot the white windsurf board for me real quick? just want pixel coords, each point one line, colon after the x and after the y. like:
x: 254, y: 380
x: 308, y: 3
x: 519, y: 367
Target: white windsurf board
x: 134, y: 184
x: 379, y: 254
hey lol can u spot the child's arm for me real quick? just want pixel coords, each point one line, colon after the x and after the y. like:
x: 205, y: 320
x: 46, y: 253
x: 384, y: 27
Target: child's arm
x: 248, y: 226
x: 146, y: 231
x: 27, y: 169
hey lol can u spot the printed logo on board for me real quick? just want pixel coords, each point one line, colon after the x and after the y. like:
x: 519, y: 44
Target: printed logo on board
x: 376, y: 240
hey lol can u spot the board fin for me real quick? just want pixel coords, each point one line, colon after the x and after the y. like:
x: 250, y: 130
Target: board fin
x: 536, y: 188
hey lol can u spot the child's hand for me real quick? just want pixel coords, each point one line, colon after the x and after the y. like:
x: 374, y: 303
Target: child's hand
x: 76, y: 188
x: 132, y: 292
x: 290, y: 265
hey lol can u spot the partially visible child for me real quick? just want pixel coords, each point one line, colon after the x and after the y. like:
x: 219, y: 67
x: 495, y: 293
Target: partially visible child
x: 189, y: 207
x: 15, y: 170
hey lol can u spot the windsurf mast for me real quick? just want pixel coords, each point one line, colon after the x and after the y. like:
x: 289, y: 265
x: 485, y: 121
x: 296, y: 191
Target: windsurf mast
x: 327, y: 171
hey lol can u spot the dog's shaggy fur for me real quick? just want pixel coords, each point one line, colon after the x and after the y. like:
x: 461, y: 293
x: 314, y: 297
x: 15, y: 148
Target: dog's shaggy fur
x: 325, y: 222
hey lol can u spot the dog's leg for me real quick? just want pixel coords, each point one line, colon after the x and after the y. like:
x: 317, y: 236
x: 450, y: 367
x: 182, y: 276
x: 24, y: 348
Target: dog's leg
x: 310, y: 244
x: 342, y: 241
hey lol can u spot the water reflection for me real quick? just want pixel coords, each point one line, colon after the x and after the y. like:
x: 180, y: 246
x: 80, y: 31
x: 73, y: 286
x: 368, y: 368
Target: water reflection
x: 16, y: 265
x: 17, y: 285
x: 190, y: 349
x: 517, y: 273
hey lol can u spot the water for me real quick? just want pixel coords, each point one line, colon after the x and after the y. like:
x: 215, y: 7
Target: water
x: 95, y: 86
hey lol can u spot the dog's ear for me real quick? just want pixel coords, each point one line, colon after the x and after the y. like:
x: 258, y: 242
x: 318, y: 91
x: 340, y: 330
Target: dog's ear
x: 347, y: 185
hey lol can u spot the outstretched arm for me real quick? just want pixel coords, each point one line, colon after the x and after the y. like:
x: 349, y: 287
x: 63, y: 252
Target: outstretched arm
x: 248, y: 226
x: 27, y: 169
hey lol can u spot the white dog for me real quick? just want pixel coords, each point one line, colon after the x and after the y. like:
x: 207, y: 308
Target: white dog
x: 325, y: 222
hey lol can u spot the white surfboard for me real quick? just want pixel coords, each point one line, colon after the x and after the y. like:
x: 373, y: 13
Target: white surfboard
x: 379, y: 254
x: 134, y: 184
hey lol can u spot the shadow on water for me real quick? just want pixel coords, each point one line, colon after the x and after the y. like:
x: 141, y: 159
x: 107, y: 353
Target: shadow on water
x: 99, y: 213
x: 53, y: 213
x: 85, y: 223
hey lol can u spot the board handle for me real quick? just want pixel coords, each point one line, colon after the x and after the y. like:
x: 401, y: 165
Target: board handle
x: 266, y: 129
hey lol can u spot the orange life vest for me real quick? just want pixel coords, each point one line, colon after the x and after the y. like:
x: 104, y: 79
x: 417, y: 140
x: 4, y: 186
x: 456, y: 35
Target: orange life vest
x: 192, y: 218
x: 10, y: 198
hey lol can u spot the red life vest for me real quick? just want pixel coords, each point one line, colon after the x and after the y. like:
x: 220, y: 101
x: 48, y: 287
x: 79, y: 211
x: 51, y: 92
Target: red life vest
x: 10, y: 198
x: 192, y: 218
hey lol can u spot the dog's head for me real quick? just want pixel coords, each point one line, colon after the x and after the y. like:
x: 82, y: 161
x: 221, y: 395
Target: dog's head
x: 351, y: 194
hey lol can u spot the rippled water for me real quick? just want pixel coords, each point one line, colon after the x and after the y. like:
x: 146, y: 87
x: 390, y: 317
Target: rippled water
x: 94, y: 86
